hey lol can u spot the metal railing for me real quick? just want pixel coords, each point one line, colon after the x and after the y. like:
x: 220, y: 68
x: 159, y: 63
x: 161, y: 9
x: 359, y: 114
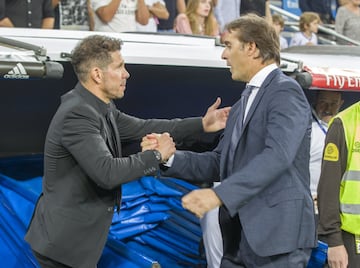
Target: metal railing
x: 322, y: 29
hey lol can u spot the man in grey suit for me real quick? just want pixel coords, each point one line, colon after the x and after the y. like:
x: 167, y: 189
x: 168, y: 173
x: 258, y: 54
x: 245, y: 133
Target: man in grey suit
x: 266, y: 211
x: 83, y: 165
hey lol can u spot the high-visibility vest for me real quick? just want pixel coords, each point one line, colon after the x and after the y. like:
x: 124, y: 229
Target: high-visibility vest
x: 350, y: 182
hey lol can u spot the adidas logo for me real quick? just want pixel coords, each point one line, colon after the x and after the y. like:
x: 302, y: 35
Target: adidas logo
x: 18, y: 72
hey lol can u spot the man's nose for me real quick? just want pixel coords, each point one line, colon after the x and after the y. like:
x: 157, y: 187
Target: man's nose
x: 127, y: 74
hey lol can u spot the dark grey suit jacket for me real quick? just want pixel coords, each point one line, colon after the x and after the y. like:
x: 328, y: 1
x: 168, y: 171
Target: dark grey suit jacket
x: 267, y: 188
x: 73, y: 215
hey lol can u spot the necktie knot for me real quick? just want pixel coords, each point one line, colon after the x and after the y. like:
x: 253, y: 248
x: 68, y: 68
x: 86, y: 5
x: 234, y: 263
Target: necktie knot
x: 247, y: 91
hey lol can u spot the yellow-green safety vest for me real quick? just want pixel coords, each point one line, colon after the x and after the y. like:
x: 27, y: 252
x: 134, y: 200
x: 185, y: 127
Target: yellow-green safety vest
x: 350, y: 182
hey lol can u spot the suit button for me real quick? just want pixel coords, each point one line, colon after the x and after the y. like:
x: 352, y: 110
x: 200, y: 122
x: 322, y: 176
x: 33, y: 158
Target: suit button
x: 110, y: 209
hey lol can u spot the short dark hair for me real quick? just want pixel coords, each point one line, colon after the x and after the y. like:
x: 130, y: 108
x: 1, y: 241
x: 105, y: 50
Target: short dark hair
x: 94, y: 50
x: 252, y: 28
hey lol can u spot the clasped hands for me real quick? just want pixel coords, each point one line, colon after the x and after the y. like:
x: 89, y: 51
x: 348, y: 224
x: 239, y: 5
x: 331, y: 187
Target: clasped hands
x: 197, y: 201
x: 161, y: 142
x: 203, y: 200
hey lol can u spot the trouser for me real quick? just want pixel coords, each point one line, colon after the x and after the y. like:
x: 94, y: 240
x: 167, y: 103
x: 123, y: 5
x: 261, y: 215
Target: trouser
x: 295, y: 259
x: 238, y: 252
x: 212, y: 238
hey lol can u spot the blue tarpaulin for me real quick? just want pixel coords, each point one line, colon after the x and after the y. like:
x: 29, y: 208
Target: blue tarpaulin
x: 152, y: 230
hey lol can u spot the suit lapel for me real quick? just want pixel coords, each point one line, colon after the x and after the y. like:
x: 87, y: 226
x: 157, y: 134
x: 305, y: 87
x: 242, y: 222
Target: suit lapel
x: 232, y: 120
x: 107, y: 137
x: 228, y: 131
x: 258, y: 97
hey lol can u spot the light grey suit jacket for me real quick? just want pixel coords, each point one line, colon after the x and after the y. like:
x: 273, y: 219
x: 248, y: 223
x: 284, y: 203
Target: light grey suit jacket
x: 72, y: 217
x: 267, y: 187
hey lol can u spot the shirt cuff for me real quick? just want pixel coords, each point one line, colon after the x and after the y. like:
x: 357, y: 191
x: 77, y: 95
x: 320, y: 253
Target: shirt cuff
x: 169, y: 162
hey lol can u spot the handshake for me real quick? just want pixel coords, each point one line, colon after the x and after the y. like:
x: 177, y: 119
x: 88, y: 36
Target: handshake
x: 160, y: 142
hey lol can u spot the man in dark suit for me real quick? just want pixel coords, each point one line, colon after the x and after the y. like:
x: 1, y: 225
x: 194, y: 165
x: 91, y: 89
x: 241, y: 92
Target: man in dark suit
x: 83, y: 163
x: 266, y: 211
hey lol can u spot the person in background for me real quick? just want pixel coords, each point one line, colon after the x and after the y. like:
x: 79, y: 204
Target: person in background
x: 119, y: 15
x: 327, y: 104
x: 157, y: 11
x: 278, y: 23
x: 266, y: 211
x: 308, y: 24
x: 321, y: 7
x: 342, y: 2
x: 83, y: 163
x: 198, y: 19
x: 258, y: 7
x: 347, y: 20
x: 338, y: 191
x: 73, y: 15
x: 174, y: 8
x: 226, y: 11
x: 27, y: 14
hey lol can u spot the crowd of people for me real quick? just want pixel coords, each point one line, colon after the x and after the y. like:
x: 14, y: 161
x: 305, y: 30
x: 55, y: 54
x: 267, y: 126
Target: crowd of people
x: 280, y: 161
x: 199, y: 17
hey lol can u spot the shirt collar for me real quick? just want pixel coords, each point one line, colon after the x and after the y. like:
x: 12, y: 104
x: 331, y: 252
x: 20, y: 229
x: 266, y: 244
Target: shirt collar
x: 101, y: 106
x: 261, y: 75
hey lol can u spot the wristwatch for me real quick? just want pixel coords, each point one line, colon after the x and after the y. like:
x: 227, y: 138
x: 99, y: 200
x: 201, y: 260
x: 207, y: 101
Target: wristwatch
x: 157, y: 155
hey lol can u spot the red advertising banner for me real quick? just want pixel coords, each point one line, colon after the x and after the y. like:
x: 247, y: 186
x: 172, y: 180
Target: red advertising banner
x: 334, y: 78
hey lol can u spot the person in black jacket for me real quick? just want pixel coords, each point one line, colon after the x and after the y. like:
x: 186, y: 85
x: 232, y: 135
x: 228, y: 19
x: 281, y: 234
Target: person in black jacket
x: 83, y: 163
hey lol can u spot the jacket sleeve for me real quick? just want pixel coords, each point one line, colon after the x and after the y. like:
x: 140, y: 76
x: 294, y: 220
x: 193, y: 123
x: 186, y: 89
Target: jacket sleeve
x: 329, y: 186
x: 340, y: 20
x: 82, y: 138
x: 196, y: 167
x: 133, y: 129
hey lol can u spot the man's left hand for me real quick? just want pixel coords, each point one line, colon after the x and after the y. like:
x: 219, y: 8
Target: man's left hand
x: 215, y: 119
x: 201, y: 201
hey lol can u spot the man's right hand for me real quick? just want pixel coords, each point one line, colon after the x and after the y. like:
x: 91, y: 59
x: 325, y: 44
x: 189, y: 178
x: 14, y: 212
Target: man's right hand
x: 337, y: 257
x: 161, y: 142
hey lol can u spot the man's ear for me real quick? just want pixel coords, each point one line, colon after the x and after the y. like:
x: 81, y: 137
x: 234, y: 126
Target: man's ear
x: 252, y: 49
x: 96, y: 75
